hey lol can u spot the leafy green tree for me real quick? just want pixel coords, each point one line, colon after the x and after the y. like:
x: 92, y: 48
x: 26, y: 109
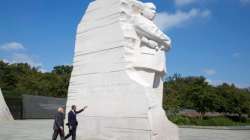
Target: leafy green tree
x: 237, y: 101
x: 62, y: 70
x: 21, y: 78
x: 171, y: 101
x: 179, y: 92
x: 196, y: 93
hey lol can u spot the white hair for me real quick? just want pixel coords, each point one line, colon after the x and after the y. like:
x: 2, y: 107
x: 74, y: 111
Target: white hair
x: 60, y: 109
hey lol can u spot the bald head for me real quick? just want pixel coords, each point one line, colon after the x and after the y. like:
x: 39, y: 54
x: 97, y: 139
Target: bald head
x: 149, y: 11
x: 150, y: 5
x: 60, y: 109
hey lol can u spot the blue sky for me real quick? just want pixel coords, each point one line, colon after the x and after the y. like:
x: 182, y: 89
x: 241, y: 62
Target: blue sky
x: 209, y: 37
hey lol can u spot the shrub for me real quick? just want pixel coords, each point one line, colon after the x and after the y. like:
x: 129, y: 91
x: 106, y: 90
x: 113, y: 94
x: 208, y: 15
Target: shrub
x: 207, y: 121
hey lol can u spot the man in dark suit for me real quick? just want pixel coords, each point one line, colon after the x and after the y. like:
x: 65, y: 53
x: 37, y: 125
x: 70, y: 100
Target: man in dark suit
x: 72, y: 121
x: 58, y: 124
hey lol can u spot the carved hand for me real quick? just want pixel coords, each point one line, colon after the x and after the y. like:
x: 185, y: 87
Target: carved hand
x: 150, y: 43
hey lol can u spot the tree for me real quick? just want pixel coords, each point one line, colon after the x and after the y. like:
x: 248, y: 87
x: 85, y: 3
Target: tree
x: 21, y: 78
x: 196, y: 93
x: 171, y: 101
x: 62, y: 70
x: 189, y: 93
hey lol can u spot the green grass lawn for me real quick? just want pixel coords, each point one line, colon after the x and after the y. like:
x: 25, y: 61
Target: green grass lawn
x: 208, y: 121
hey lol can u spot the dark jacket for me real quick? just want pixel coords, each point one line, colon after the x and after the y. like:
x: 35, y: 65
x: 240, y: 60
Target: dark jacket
x: 59, y: 120
x: 72, y: 118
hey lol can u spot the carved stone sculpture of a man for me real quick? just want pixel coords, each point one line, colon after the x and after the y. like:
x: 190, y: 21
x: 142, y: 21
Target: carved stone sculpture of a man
x: 149, y: 45
x: 119, y: 64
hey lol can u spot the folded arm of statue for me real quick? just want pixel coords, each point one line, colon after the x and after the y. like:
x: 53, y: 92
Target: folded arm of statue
x: 150, y: 43
x: 165, y: 40
x: 166, y: 46
x: 151, y: 31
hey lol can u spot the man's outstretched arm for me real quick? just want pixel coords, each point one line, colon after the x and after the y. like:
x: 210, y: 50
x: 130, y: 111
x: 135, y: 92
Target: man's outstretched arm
x: 79, y: 111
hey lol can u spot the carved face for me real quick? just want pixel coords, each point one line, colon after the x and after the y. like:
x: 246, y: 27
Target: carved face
x: 149, y: 11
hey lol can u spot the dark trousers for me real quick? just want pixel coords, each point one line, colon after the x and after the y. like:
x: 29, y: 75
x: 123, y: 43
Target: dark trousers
x: 72, y: 132
x: 55, y: 134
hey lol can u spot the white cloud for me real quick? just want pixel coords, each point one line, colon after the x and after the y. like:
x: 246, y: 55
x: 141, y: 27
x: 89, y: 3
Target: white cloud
x: 220, y: 82
x: 12, y: 46
x: 16, y: 53
x: 245, y: 2
x: 209, y: 72
x: 236, y: 55
x: 217, y: 82
x: 209, y: 81
x: 165, y: 20
x: 43, y: 70
x: 184, y: 2
x: 24, y: 58
x: 205, y: 13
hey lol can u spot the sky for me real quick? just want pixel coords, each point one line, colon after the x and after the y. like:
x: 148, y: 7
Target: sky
x: 209, y: 37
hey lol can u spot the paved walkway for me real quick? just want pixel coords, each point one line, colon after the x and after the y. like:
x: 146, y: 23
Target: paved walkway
x: 211, y: 134
x: 41, y: 130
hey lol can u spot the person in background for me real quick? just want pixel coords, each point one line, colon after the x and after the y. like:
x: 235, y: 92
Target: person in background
x: 72, y: 121
x: 59, y: 124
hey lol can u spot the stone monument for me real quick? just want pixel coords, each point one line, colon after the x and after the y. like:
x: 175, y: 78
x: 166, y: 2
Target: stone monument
x: 118, y: 68
x: 5, y: 114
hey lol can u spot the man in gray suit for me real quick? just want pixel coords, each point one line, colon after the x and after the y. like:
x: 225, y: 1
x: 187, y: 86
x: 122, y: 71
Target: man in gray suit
x: 59, y: 124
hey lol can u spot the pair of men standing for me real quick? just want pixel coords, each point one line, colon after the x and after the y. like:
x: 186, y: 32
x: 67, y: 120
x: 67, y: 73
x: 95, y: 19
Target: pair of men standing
x: 72, y: 123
